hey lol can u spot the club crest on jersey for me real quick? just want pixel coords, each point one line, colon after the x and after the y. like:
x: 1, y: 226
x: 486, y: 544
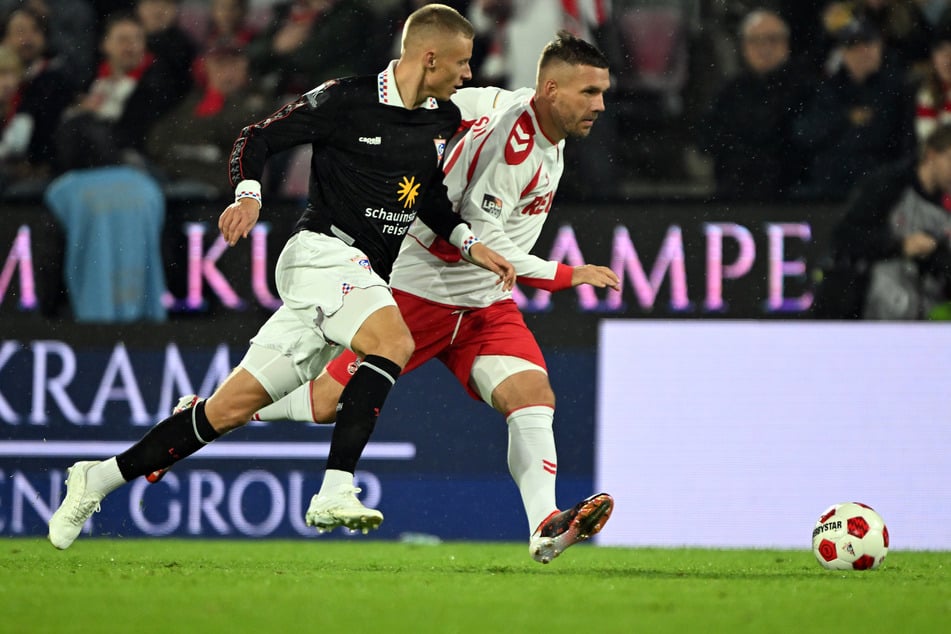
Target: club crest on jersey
x: 362, y: 260
x: 521, y: 140
x: 492, y: 205
x: 440, y: 149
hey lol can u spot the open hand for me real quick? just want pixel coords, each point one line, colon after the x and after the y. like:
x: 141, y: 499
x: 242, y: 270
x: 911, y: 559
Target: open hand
x: 597, y: 276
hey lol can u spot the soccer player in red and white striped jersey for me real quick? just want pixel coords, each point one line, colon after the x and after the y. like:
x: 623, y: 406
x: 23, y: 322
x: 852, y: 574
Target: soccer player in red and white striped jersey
x: 501, y: 176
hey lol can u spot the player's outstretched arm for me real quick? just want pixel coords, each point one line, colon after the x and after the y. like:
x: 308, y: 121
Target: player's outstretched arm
x: 597, y: 276
x: 238, y: 218
x: 490, y: 260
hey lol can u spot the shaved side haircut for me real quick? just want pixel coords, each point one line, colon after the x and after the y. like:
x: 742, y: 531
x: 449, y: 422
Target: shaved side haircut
x: 568, y: 49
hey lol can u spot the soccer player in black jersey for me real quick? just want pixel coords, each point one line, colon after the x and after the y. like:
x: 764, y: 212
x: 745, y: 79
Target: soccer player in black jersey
x: 378, y: 141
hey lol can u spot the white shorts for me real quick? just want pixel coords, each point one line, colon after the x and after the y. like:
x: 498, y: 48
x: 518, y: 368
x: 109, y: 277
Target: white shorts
x: 489, y: 371
x: 328, y: 290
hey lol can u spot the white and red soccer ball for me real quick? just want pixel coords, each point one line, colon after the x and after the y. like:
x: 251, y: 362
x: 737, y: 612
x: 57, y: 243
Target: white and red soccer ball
x: 850, y: 536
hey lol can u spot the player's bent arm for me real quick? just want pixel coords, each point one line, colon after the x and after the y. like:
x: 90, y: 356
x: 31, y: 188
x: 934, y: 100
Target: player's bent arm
x: 526, y: 264
x: 571, y: 276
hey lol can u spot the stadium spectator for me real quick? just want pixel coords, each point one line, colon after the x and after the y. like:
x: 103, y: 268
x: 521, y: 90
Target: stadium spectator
x: 895, y: 238
x: 311, y: 41
x: 167, y: 41
x: 71, y: 32
x: 133, y: 88
x: 373, y: 139
x: 748, y: 128
x: 46, y: 90
x: 191, y: 142
x: 860, y: 118
x: 933, y: 99
x: 228, y: 22
x: 904, y: 26
x: 15, y: 128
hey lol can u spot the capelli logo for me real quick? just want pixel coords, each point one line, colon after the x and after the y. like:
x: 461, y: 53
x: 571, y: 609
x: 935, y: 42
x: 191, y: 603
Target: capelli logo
x: 371, y: 140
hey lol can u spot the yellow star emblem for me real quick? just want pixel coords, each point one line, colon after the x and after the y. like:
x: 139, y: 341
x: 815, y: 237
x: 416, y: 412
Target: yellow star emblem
x: 408, y: 190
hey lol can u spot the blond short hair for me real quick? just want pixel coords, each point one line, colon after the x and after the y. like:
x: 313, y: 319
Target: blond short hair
x: 436, y: 17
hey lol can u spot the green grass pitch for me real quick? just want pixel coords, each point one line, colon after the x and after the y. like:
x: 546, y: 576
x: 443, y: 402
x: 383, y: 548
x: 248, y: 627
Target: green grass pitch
x: 363, y: 585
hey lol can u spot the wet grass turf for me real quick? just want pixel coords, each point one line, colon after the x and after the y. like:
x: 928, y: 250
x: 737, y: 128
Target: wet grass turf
x: 364, y: 585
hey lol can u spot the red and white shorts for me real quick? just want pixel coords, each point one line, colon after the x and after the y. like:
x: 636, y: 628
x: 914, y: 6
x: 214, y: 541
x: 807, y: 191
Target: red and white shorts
x: 457, y: 336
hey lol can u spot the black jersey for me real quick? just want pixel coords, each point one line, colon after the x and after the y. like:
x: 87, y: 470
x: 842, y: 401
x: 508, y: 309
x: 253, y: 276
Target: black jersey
x: 375, y: 165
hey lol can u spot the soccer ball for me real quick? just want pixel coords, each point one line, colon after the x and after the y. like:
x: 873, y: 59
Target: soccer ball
x: 850, y: 536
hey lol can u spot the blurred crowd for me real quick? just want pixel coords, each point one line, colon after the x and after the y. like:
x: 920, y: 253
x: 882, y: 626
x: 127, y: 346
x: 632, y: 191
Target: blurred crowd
x: 764, y: 100
x: 767, y: 100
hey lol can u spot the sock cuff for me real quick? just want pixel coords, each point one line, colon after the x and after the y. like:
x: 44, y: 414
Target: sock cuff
x: 531, y: 417
x: 383, y: 366
x: 204, y: 432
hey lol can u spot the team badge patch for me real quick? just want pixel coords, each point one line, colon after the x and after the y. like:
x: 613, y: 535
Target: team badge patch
x: 362, y: 261
x: 440, y: 149
x: 492, y: 205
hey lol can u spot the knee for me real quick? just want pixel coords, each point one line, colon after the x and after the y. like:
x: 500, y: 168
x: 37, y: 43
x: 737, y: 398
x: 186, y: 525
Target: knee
x: 403, y: 349
x: 398, y: 348
x: 544, y: 395
x: 524, y: 389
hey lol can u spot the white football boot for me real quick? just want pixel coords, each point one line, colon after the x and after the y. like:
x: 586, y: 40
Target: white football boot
x: 342, y: 508
x: 78, y: 506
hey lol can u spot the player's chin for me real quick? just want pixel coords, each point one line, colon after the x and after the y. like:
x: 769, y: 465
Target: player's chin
x: 583, y: 129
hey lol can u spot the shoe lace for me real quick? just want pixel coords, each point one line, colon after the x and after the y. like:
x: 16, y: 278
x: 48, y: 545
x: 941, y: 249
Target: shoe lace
x: 83, y: 510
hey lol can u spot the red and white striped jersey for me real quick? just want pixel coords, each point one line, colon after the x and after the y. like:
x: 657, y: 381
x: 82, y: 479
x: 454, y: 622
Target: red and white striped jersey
x: 501, y: 175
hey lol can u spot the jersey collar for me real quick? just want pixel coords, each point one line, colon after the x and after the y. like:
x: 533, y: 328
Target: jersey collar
x: 542, y: 138
x: 389, y: 95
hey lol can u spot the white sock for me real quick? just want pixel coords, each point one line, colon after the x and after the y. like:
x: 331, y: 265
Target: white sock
x: 334, y: 479
x: 294, y: 406
x: 104, y: 477
x: 533, y: 461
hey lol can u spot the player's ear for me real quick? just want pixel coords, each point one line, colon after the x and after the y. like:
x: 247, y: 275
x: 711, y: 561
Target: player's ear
x: 430, y: 59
